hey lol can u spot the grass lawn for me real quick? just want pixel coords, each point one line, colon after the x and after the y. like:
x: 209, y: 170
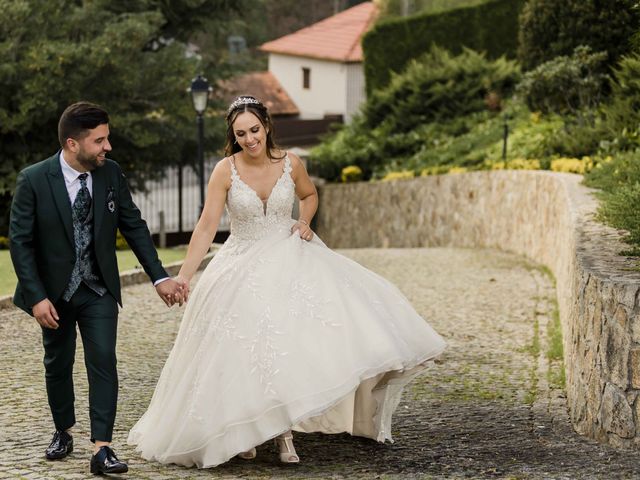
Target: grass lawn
x: 126, y: 261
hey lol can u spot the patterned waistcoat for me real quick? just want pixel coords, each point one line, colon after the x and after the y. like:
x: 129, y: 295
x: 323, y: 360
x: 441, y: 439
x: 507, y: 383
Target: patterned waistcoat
x: 85, y: 269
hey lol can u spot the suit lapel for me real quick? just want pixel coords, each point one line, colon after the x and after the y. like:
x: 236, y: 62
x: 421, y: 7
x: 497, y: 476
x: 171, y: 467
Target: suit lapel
x: 60, y: 195
x: 99, y: 187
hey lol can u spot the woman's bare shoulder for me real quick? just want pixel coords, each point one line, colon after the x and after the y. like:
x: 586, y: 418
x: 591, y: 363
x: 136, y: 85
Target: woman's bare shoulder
x: 222, y: 171
x: 295, y: 160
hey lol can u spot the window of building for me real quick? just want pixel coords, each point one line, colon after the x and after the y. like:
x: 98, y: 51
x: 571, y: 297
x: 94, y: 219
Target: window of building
x: 306, y: 77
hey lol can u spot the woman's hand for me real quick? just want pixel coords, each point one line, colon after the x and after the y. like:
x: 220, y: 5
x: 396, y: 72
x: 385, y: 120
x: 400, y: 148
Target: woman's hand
x: 184, y: 283
x: 303, y: 230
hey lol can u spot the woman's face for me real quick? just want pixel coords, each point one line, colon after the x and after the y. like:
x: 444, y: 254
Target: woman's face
x: 250, y: 134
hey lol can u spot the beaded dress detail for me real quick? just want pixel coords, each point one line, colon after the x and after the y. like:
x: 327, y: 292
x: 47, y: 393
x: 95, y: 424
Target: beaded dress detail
x: 281, y: 332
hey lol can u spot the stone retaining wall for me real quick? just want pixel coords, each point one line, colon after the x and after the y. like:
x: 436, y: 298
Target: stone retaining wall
x: 548, y: 217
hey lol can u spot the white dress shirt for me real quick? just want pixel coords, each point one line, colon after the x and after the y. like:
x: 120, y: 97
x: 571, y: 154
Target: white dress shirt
x: 71, y: 179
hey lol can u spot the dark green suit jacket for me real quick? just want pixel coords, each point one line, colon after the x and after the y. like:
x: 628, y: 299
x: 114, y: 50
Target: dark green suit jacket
x: 41, y: 231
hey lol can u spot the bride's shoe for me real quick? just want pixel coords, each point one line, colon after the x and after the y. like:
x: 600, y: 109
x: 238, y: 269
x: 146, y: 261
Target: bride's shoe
x: 248, y: 455
x: 285, y: 446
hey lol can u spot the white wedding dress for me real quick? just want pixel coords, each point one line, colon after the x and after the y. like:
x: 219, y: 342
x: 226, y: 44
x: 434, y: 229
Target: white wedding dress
x: 280, y: 333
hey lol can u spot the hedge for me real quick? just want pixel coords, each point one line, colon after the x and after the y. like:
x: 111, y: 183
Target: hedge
x: 491, y: 27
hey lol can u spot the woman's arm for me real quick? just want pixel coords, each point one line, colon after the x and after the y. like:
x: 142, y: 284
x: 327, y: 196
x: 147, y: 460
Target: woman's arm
x: 308, y: 196
x: 207, y: 225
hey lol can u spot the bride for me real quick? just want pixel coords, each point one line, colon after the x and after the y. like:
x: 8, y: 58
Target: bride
x: 280, y: 333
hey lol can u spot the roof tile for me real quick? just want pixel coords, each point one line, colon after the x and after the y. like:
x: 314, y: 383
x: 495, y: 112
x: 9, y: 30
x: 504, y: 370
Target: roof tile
x: 334, y: 38
x: 265, y: 87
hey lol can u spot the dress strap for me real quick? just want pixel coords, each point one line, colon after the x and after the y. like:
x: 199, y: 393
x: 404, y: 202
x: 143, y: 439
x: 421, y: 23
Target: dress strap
x: 234, y: 172
x: 287, y: 163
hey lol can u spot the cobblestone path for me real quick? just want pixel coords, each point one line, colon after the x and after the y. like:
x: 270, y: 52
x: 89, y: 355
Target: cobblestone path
x: 491, y: 406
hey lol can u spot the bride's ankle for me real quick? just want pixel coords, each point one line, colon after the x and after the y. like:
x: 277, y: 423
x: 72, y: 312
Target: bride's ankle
x: 286, y: 449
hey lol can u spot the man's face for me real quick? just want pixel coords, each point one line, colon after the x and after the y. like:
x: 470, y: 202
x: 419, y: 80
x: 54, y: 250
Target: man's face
x: 92, y: 149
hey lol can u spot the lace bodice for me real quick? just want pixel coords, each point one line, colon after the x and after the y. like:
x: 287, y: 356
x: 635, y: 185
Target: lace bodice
x: 251, y: 219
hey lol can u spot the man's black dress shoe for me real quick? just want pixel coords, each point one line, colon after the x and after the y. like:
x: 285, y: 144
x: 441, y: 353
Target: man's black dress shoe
x: 105, y: 461
x: 61, y: 445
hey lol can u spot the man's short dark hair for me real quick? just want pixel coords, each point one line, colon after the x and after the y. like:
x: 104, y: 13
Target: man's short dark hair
x: 78, y: 119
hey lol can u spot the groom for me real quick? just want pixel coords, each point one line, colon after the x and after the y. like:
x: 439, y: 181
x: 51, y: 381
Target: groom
x: 64, y: 216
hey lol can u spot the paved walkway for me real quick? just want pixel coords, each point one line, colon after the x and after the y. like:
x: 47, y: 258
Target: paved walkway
x: 485, y: 410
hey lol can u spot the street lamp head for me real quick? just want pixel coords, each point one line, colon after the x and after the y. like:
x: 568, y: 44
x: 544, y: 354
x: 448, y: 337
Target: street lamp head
x: 200, y: 90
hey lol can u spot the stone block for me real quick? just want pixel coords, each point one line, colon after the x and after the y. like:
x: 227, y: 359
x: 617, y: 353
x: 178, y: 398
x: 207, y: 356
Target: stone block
x: 615, y: 354
x: 616, y: 415
x: 621, y: 316
x: 627, y: 294
x: 634, y: 367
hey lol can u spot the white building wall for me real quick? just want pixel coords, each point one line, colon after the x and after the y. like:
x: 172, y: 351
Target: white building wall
x: 328, y: 84
x: 356, y: 94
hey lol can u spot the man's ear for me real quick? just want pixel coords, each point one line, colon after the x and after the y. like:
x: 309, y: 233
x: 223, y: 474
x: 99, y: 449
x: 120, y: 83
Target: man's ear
x: 72, y: 145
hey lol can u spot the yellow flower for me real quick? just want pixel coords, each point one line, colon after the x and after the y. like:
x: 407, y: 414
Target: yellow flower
x: 435, y: 170
x: 352, y: 173
x: 571, y: 165
x: 401, y: 175
x: 517, y: 164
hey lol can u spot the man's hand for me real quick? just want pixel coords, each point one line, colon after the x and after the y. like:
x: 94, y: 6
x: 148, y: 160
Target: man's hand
x: 170, y: 292
x: 46, y: 314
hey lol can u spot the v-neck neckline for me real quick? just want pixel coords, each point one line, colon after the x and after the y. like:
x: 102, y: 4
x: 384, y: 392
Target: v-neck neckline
x: 264, y: 203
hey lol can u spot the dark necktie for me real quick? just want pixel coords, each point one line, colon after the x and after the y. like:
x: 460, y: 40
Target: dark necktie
x: 82, y: 203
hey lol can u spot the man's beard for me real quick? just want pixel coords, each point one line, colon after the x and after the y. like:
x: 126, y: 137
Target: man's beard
x: 90, y: 162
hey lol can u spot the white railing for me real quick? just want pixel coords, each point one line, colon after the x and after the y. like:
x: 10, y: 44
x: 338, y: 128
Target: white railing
x: 164, y: 196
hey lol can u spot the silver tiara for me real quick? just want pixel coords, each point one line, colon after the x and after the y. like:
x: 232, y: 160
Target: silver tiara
x: 243, y: 101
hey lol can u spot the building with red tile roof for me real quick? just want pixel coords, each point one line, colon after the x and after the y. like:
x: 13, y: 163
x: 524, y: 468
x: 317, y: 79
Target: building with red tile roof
x: 336, y: 38
x: 265, y: 87
x: 320, y: 66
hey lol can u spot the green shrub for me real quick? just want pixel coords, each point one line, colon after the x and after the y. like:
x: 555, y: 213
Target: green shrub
x: 619, y: 179
x: 614, y: 172
x: 577, y: 138
x: 491, y: 27
x: 4, y: 243
x: 622, y: 113
x: 549, y: 28
x: 620, y: 210
x: 572, y: 87
x: 439, y: 86
x: 566, y: 85
x: 395, y: 8
x: 428, y: 102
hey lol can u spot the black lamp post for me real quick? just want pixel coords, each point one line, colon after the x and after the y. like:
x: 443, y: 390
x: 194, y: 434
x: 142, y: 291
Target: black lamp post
x: 505, y: 137
x: 199, y: 91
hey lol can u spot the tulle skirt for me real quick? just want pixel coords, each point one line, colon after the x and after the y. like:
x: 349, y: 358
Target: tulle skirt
x: 285, y: 333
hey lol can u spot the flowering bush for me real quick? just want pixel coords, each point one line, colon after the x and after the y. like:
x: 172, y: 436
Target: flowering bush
x: 517, y: 164
x: 572, y: 165
x: 402, y: 175
x: 352, y: 173
x: 434, y: 170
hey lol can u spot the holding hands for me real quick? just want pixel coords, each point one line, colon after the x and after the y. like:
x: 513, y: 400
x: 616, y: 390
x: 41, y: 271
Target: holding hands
x: 303, y: 229
x: 173, y: 290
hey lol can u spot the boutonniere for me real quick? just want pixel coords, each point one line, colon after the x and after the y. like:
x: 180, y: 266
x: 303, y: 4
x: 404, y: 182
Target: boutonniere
x: 111, y: 203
